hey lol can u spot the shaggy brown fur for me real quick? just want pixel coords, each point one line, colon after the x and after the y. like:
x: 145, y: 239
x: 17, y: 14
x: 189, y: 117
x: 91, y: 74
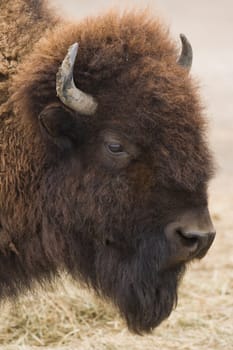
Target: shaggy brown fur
x: 22, y: 23
x: 66, y: 202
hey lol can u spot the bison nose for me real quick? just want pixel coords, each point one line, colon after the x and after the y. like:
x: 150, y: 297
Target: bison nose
x: 197, y: 243
x: 190, y: 236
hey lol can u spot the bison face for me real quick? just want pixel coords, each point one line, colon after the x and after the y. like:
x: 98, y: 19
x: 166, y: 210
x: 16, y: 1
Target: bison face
x: 144, y: 231
x: 132, y: 226
x: 130, y: 186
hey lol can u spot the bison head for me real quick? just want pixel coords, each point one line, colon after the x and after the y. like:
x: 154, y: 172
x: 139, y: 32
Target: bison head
x: 125, y: 164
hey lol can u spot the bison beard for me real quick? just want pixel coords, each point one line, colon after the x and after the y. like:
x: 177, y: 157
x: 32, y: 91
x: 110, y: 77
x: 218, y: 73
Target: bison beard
x: 140, y: 286
x: 136, y: 279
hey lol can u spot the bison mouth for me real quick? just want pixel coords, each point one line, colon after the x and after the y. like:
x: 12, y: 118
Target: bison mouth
x: 144, y: 291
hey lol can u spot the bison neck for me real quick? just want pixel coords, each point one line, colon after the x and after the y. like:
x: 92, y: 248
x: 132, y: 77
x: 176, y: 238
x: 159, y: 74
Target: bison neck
x: 23, y: 166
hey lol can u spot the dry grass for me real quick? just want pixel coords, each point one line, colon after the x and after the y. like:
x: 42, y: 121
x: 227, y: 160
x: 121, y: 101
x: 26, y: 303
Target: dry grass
x: 70, y: 318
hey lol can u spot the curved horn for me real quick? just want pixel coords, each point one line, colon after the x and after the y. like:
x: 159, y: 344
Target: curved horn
x: 186, y: 56
x: 68, y: 93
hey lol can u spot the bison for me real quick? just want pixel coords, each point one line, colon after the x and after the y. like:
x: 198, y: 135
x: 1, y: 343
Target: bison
x: 105, y: 165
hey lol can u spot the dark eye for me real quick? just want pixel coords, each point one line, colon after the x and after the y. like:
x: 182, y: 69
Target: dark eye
x: 115, y: 148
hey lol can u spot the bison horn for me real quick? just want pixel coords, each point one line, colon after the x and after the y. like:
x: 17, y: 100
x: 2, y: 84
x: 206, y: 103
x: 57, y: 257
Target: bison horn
x: 186, y: 56
x: 68, y: 93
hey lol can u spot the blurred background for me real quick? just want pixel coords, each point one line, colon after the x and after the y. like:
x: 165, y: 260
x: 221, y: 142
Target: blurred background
x: 69, y: 318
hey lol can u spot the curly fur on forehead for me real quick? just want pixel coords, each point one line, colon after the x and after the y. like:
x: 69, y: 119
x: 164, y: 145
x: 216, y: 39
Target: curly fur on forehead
x: 109, y: 45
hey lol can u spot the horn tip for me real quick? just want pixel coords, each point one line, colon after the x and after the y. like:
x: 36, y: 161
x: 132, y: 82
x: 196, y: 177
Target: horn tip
x: 74, y: 46
x: 183, y: 38
x: 186, y: 56
x: 71, y: 56
x: 73, y: 51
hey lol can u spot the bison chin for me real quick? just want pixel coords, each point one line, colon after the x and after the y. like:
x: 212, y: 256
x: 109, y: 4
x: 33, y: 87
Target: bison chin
x: 138, y: 282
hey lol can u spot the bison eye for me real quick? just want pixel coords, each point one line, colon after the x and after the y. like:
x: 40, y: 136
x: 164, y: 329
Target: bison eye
x: 115, y: 148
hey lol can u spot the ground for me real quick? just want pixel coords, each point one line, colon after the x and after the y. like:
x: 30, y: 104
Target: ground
x: 70, y: 318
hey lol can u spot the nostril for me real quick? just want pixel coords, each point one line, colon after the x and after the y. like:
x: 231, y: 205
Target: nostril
x: 196, y: 240
x: 188, y: 239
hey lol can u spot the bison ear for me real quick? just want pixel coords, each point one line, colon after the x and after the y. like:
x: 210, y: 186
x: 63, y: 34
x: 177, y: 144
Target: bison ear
x: 60, y: 126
